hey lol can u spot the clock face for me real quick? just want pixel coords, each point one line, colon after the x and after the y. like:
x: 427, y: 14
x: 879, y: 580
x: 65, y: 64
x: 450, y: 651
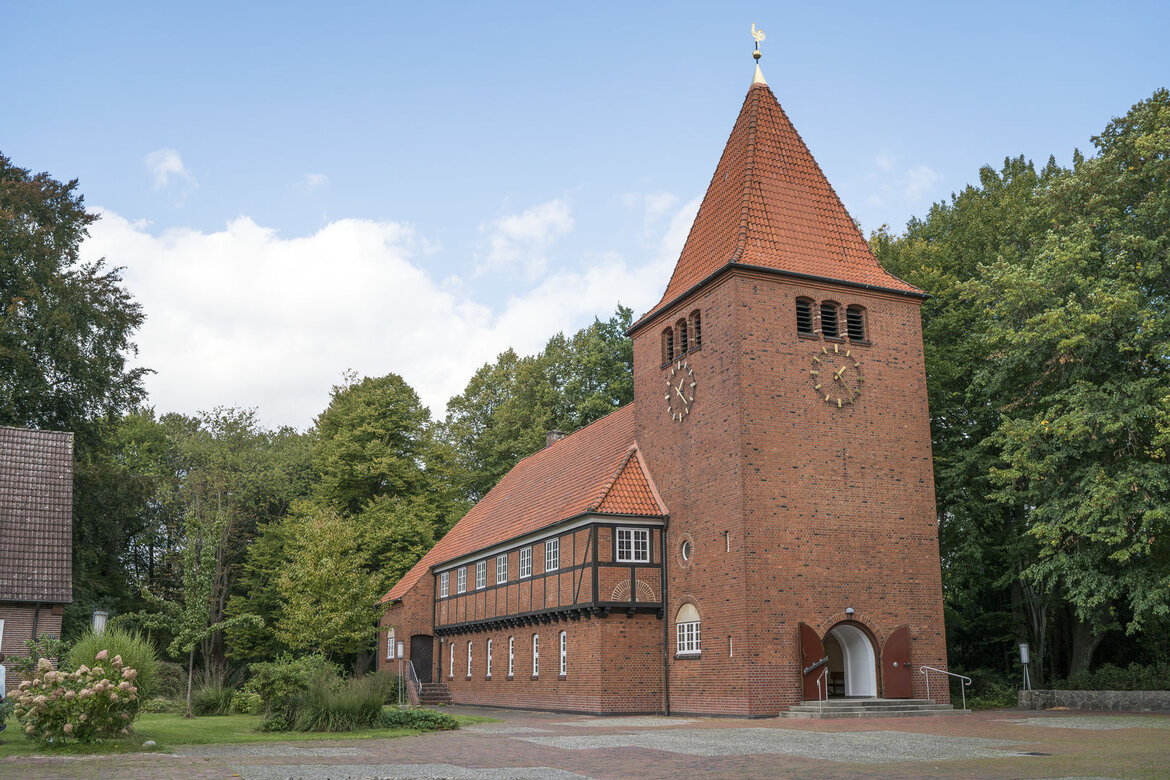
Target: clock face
x: 836, y: 376
x: 680, y: 390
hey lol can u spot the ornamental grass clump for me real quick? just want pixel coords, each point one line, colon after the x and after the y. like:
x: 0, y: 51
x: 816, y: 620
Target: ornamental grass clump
x: 97, y: 702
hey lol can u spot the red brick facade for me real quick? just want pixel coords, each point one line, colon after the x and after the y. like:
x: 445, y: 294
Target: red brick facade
x: 23, y: 622
x: 795, y: 509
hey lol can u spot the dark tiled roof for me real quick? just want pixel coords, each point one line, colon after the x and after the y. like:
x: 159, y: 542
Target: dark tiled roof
x: 596, y: 469
x: 36, y: 515
x: 769, y: 205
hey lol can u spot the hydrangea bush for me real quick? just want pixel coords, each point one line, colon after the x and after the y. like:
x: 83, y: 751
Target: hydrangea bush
x: 90, y: 703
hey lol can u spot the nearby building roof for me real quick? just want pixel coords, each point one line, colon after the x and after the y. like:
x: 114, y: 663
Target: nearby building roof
x: 36, y: 515
x: 769, y: 205
x: 595, y: 470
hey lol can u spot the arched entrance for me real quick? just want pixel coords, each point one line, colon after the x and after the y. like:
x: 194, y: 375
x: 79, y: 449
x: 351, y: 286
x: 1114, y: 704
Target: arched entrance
x: 852, y: 662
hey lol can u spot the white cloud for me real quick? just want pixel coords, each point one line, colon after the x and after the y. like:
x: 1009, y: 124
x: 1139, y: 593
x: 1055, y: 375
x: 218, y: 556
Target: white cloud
x: 245, y: 317
x: 314, y: 180
x: 518, y: 242
x: 654, y: 206
x: 167, y: 166
x: 893, y: 185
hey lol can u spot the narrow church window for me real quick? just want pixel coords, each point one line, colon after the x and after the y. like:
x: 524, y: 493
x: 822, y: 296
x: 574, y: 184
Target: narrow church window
x: 526, y: 562
x: 696, y: 330
x: 564, y: 654
x: 668, y: 345
x: 461, y: 580
x: 489, y: 659
x: 687, y: 630
x: 633, y: 545
x: 535, y: 655
x: 855, y: 323
x: 390, y: 645
x: 552, y: 555
x: 511, y: 655
x: 444, y: 584
x: 469, y: 660
x: 681, y: 327
x: 480, y: 575
x: 829, y: 325
x: 804, y: 318
x: 501, y: 569
x: 451, y: 660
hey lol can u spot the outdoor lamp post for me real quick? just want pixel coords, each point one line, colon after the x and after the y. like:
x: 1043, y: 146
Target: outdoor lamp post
x: 1024, y: 662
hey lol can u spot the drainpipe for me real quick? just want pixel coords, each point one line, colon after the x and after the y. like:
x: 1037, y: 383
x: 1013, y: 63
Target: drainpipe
x: 665, y: 631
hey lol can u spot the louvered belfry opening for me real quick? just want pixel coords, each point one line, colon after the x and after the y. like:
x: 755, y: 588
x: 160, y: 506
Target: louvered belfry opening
x: 829, y: 325
x: 855, y: 323
x: 804, y: 316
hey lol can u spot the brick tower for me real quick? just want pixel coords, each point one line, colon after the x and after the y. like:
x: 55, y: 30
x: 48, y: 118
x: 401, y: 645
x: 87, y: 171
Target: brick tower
x: 781, y: 409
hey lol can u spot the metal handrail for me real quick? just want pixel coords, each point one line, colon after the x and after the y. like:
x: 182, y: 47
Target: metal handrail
x: 415, y: 683
x: 821, y: 701
x: 962, y: 688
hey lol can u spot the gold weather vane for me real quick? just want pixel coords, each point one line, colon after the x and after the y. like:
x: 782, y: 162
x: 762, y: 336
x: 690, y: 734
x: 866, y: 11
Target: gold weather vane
x: 759, y: 36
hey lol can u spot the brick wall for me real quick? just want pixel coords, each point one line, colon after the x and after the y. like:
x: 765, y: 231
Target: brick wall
x: 18, y: 627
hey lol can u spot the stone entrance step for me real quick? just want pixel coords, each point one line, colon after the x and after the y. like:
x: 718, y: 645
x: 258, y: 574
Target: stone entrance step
x: 869, y: 708
x: 434, y: 693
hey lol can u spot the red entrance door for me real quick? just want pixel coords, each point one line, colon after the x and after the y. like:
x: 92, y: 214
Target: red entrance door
x: 897, y: 681
x: 812, y: 661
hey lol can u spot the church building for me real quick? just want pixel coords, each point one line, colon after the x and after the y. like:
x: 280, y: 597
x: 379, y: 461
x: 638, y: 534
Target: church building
x: 756, y: 529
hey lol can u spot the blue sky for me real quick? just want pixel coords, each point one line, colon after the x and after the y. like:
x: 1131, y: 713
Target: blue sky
x: 299, y: 189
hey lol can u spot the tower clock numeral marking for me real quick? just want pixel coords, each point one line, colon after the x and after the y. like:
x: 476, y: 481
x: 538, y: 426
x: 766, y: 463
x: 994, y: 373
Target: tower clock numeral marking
x: 845, y: 384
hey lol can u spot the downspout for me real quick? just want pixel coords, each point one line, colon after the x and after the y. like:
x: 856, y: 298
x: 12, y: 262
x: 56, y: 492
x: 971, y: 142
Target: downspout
x: 36, y: 619
x: 665, y: 632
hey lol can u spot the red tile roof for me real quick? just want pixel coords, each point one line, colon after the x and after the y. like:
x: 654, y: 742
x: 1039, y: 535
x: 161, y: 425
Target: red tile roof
x: 770, y: 205
x: 596, y: 469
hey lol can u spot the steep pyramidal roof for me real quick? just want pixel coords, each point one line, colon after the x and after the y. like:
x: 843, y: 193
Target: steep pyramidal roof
x: 594, y: 470
x: 769, y: 205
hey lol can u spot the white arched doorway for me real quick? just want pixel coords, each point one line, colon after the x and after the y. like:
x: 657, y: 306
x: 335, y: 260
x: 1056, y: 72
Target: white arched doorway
x: 858, y: 660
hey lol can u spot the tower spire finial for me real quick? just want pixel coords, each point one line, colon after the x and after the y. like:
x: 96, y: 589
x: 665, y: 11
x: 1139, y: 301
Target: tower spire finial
x: 759, y: 36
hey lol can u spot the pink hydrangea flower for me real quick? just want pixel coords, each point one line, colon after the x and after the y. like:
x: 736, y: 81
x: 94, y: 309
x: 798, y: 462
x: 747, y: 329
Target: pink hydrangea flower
x: 113, y: 697
x: 129, y: 673
x: 102, y: 655
x: 67, y: 728
x: 123, y: 686
x: 83, y: 717
x: 117, y: 660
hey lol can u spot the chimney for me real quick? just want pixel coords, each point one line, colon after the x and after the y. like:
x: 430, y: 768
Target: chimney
x: 552, y: 437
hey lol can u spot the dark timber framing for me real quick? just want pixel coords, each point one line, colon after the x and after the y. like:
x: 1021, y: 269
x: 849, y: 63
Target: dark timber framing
x: 585, y: 563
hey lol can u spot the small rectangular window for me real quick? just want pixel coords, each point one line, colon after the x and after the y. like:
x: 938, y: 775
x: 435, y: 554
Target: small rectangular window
x: 480, y: 575
x: 535, y: 655
x: 633, y: 545
x: 489, y: 658
x: 390, y: 645
x: 451, y: 660
x: 461, y: 580
x: 552, y: 555
x: 469, y: 659
x: 511, y: 655
x: 696, y: 330
x: 501, y: 569
x: 444, y: 584
x: 526, y: 562
x: 804, y: 318
x: 564, y: 654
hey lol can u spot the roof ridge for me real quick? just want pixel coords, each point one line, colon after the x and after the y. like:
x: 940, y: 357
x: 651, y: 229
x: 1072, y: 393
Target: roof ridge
x: 748, y: 175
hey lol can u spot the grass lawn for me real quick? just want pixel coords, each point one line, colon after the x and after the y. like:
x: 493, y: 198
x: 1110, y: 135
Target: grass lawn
x: 170, y: 731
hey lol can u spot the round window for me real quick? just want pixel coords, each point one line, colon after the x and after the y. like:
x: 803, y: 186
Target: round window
x: 686, y: 550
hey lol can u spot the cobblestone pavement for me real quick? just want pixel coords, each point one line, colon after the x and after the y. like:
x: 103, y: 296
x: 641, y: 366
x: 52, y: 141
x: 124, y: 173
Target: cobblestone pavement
x: 535, y: 746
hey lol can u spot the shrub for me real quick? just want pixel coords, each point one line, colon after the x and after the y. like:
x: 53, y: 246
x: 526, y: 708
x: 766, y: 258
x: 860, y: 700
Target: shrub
x: 329, y: 705
x: 425, y: 720
x: 86, y: 704
x: 212, y: 700
x: 162, y: 705
x: 387, y: 684
x: 171, y: 682
x: 279, y: 682
x: 136, y: 651
x: 1108, y: 677
x: 247, y: 703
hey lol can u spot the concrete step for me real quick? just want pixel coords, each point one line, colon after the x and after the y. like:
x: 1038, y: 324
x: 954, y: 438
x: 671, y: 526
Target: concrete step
x: 834, y: 715
x: 869, y: 708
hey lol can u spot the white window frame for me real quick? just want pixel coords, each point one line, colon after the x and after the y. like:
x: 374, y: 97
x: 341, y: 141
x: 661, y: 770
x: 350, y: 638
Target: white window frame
x: 469, y: 658
x: 489, y: 659
x: 451, y: 661
x: 564, y: 653
x: 536, y: 655
x: 481, y: 575
x: 444, y: 584
x: 461, y: 580
x: 501, y: 569
x: 688, y: 638
x: 552, y: 552
x: 511, y: 655
x: 633, y: 539
x: 525, y: 562
x: 390, y: 645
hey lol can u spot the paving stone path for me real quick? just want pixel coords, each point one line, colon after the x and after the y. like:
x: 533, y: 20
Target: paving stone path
x: 527, y: 745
